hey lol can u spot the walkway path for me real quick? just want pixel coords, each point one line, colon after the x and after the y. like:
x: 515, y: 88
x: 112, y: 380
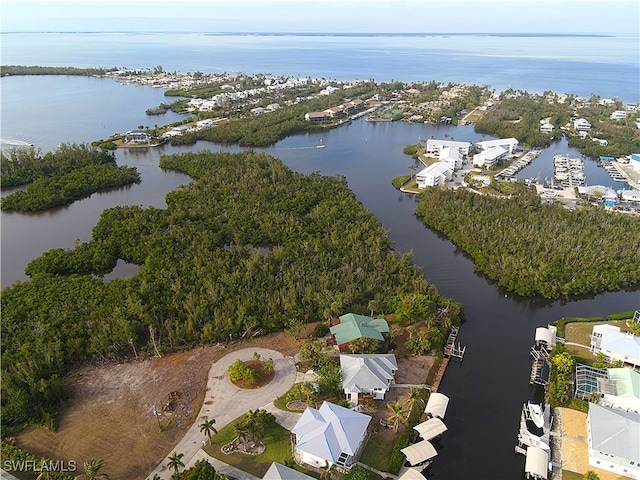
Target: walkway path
x: 225, y: 402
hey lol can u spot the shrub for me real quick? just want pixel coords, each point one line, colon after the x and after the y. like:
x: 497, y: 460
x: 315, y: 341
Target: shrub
x: 396, y: 459
x: 240, y: 371
x: 320, y: 330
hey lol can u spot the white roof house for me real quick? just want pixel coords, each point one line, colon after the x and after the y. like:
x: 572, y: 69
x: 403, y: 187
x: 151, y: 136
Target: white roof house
x: 623, y: 391
x: 435, y: 174
x: 280, y: 472
x: 582, y: 125
x: 546, y: 127
x: 488, y: 158
x: 509, y: 144
x: 437, y: 405
x: 370, y: 374
x: 331, y: 435
x: 615, y: 345
x: 614, y: 440
x: 451, y: 157
x: 420, y: 452
x: 434, y: 146
x: 618, y: 115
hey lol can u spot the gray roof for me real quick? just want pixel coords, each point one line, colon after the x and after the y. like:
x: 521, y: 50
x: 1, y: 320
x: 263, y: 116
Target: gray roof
x: 621, y: 343
x: 280, y: 472
x: 614, y: 432
x: 367, y: 372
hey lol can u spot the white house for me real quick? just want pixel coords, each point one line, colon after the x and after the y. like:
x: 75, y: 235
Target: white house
x: 451, y: 157
x: 434, y: 146
x: 137, y: 136
x: 582, y: 125
x: 546, y: 127
x: 435, y: 174
x: 615, y: 345
x: 280, y: 472
x: 614, y: 440
x: 331, y: 435
x: 618, y: 115
x: 489, y: 158
x: 621, y: 390
x: 370, y: 374
x: 509, y: 144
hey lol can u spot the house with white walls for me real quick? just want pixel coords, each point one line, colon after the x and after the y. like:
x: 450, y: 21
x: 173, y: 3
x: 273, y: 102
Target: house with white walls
x: 434, y: 146
x: 367, y: 374
x: 331, y: 435
x: 435, y: 174
x: 509, y: 144
x: 489, y: 158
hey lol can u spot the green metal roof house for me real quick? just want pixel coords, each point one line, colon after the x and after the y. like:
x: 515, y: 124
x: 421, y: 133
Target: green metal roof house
x: 354, y: 326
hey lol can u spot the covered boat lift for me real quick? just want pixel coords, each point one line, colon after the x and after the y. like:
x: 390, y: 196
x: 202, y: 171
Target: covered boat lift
x: 411, y: 474
x: 431, y: 428
x: 420, y: 452
x: 437, y: 405
x: 536, y: 466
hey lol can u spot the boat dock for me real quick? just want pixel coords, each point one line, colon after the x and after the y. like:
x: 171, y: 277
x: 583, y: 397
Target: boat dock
x: 451, y: 348
x: 568, y: 172
x: 518, y: 165
x: 610, y: 166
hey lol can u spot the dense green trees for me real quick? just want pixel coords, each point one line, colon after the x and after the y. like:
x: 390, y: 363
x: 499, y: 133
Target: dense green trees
x: 246, y: 249
x: 538, y: 249
x: 38, y: 70
x: 58, y: 178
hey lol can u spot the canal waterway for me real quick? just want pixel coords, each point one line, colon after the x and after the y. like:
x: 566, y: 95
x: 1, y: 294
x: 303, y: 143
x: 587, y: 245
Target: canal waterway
x: 486, y: 390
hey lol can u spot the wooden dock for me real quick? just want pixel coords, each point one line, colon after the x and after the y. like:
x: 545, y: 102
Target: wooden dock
x: 451, y: 348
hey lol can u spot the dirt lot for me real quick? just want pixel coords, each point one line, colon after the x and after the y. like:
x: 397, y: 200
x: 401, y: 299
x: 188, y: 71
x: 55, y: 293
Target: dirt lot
x: 112, y: 413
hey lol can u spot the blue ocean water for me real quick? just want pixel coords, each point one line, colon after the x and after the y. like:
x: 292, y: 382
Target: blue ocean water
x: 604, y: 65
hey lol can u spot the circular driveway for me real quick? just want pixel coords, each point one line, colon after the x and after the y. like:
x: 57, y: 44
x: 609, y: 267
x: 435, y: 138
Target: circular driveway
x: 224, y: 402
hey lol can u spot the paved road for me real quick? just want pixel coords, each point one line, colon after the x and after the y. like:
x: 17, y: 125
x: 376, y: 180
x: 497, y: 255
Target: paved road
x: 225, y: 402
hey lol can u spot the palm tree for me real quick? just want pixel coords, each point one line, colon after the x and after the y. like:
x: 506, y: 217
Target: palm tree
x: 398, y: 415
x: 175, y: 461
x: 91, y: 469
x: 414, y: 398
x: 242, y: 431
x: 207, y: 427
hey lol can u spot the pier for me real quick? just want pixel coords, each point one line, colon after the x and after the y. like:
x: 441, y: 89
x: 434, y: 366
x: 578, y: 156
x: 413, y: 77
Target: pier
x: 451, y: 348
x: 518, y: 165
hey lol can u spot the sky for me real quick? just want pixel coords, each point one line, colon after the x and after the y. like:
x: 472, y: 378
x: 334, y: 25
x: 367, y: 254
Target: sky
x: 337, y: 16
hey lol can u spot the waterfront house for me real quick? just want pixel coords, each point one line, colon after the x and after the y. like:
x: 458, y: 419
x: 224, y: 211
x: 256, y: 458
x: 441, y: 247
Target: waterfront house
x: 622, y: 390
x: 618, y: 115
x: 435, y: 174
x: 582, y: 125
x: 331, y: 435
x: 615, y: 344
x: 434, y: 147
x: 489, y: 158
x: 280, y: 472
x: 546, y: 127
x: 137, y: 136
x: 613, y: 438
x: 509, y: 144
x: 354, y: 326
x: 451, y: 157
x: 367, y: 374
x: 316, y: 117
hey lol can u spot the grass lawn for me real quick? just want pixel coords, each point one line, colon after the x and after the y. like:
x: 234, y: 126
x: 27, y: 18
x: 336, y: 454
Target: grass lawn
x: 578, y: 332
x: 376, y: 452
x: 568, y: 475
x: 276, y: 439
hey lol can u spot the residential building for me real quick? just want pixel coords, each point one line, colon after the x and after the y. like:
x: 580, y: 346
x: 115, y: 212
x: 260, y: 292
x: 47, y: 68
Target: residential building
x: 331, y: 435
x: 451, y: 157
x: 618, y: 115
x: 280, y: 472
x: 435, y: 146
x: 489, y: 158
x: 546, y: 127
x: 582, y: 125
x: 615, y: 345
x: 509, y: 144
x: 137, y: 136
x: 621, y: 390
x: 613, y: 437
x: 317, y: 117
x: 367, y: 374
x: 435, y: 174
x: 354, y: 326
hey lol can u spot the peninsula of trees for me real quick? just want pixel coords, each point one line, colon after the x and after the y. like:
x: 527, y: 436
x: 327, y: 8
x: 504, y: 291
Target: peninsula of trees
x: 249, y: 247
x: 531, y: 248
x: 60, y: 177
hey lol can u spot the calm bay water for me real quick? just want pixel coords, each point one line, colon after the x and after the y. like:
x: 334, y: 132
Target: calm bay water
x: 487, y: 390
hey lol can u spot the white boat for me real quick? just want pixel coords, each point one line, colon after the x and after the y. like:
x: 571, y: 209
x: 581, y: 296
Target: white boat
x: 535, y: 425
